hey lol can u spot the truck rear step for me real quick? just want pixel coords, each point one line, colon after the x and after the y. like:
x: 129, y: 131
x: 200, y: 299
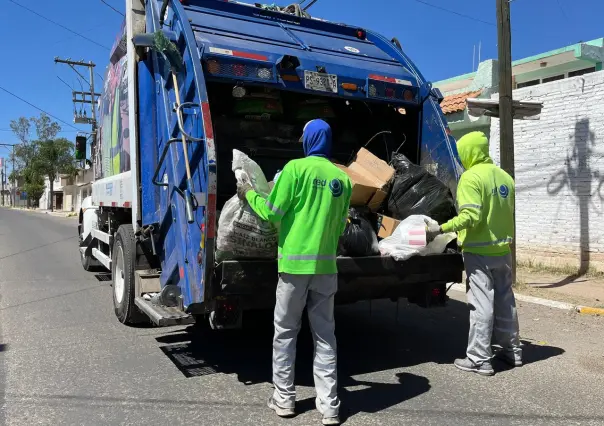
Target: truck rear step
x: 102, y: 257
x: 162, y: 315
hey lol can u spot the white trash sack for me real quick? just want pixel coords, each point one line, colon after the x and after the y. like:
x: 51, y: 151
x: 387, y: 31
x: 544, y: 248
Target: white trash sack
x: 409, y: 239
x: 241, y: 233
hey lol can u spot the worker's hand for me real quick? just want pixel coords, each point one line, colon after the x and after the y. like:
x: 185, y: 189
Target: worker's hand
x: 432, y: 231
x: 242, y: 189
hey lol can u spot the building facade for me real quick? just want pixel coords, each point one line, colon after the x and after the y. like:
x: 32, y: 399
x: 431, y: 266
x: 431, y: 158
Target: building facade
x: 559, y: 159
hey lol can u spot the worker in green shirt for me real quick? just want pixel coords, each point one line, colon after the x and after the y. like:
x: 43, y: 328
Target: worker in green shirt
x: 485, y: 227
x: 310, y: 198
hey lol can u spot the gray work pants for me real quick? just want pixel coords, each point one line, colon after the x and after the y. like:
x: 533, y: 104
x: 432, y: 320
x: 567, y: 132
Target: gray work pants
x: 493, y: 315
x: 317, y: 292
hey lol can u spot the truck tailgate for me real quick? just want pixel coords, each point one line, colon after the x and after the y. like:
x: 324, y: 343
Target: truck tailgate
x: 360, y: 278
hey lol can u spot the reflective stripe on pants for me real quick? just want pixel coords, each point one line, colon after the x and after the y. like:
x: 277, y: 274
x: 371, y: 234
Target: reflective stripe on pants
x: 317, y: 292
x: 493, y: 315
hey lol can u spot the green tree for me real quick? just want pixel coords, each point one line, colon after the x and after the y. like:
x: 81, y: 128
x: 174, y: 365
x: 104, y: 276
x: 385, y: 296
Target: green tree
x: 26, y: 152
x: 55, y: 158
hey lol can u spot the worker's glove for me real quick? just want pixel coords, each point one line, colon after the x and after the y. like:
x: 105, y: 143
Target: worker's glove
x: 243, y: 189
x: 271, y: 185
x: 433, y: 230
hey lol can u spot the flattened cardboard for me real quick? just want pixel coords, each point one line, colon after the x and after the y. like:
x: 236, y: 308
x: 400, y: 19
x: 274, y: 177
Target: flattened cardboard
x: 386, y: 225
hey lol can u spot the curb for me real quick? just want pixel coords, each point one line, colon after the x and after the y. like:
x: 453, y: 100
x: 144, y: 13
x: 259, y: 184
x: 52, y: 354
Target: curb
x: 590, y: 311
x: 546, y: 302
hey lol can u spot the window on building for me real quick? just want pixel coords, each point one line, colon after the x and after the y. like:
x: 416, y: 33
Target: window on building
x: 553, y: 78
x: 581, y: 72
x: 527, y: 84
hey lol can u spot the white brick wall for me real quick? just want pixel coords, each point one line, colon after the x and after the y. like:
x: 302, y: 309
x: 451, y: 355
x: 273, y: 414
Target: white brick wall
x: 560, y: 173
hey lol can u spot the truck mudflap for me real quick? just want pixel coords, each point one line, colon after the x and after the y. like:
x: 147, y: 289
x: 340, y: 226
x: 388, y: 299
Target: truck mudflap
x: 253, y: 282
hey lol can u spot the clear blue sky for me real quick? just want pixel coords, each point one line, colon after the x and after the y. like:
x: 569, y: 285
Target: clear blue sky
x: 439, y: 42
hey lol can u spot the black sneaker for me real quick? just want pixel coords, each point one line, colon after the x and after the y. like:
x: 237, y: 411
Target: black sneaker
x: 280, y: 411
x: 484, y: 369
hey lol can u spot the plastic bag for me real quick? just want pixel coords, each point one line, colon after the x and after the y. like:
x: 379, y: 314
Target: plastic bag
x: 241, y: 233
x: 417, y: 192
x: 409, y: 239
x: 359, y: 238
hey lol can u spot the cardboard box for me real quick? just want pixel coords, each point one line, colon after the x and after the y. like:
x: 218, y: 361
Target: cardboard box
x: 386, y: 225
x: 369, y: 176
x: 362, y: 190
x: 373, y: 168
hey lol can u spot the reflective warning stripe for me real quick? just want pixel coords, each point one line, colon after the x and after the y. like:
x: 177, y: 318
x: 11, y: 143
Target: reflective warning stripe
x: 489, y: 243
x: 470, y: 206
x: 390, y: 79
x: 274, y: 208
x: 309, y: 257
x: 239, y: 54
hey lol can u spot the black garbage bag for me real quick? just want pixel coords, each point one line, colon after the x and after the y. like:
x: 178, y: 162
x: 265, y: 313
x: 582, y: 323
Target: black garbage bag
x: 407, y: 173
x: 359, y: 238
x: 416, y: 191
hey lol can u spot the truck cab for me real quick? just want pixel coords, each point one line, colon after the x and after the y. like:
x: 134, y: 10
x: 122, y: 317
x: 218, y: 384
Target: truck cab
x: 250, y: 78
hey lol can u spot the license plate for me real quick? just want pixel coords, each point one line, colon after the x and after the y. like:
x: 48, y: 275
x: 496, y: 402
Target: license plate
x: 321, y: 82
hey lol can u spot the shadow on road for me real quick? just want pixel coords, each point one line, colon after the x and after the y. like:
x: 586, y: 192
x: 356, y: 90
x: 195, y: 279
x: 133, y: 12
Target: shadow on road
x: 380, y: 338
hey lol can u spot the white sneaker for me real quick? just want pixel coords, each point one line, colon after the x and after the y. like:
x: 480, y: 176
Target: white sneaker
x: 282, y: 412
x: 327, y: 421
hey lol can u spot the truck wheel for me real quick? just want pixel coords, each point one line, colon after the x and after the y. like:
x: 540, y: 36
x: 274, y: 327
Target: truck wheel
x: 122, y: 271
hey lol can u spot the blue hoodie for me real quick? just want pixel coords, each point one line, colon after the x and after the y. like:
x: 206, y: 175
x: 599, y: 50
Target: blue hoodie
x: 316, y: 139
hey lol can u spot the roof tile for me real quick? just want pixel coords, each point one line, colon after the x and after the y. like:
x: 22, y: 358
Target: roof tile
x: 456, y: 103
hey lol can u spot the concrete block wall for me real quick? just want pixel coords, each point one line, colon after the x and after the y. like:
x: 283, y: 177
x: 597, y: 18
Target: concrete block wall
x: 560, y: 174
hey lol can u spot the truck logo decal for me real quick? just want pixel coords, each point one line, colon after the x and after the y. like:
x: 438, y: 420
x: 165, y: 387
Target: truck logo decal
x: 352, y: 49
x: 109, y: 189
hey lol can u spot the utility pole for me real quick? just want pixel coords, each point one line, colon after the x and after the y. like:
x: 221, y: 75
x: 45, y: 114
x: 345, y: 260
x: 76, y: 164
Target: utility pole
x: 506, y: 119
x: 2, y: 173
x: 78, y: 118
x: 82, y: 99
x: 14, y: 178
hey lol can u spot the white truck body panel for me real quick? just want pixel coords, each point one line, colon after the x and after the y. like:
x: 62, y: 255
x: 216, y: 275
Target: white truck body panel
x: 135, y: 23
x: 113, y: 191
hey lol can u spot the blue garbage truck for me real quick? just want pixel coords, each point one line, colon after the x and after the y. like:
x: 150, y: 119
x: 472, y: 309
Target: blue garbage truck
x: 188, y: 82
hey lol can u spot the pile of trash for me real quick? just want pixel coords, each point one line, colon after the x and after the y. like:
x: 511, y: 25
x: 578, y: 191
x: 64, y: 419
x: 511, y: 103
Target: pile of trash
x: 241, y: 233
x: 391, y: 205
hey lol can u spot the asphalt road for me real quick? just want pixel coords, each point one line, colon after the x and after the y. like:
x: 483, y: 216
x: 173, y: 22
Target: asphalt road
x: 65, y: 359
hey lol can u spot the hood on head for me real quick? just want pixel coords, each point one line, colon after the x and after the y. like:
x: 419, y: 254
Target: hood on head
x: 473, y: 148
x: 316, y: 139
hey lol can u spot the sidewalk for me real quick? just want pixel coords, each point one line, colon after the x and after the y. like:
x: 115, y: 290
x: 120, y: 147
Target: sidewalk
x: 586, y: 290
x: 42, y: 211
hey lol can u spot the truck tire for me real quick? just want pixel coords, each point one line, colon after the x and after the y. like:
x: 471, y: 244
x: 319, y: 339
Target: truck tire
x: 122, y: 271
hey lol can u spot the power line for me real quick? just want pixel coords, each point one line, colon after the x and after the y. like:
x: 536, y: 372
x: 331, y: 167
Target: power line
x: 63, y: 81
x: 111, y: 7
x: 78, y: 73
x: 57, y: 24
x: 39, y: 109
x: 455, y: 13
x: 562, y: 9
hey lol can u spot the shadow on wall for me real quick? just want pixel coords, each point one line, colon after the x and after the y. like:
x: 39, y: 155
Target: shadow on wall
x: 579, y: 178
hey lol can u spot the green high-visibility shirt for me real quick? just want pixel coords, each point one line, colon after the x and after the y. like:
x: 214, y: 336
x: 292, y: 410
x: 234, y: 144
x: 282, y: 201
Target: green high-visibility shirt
x: 485, y: 199
x: 311, y: 199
